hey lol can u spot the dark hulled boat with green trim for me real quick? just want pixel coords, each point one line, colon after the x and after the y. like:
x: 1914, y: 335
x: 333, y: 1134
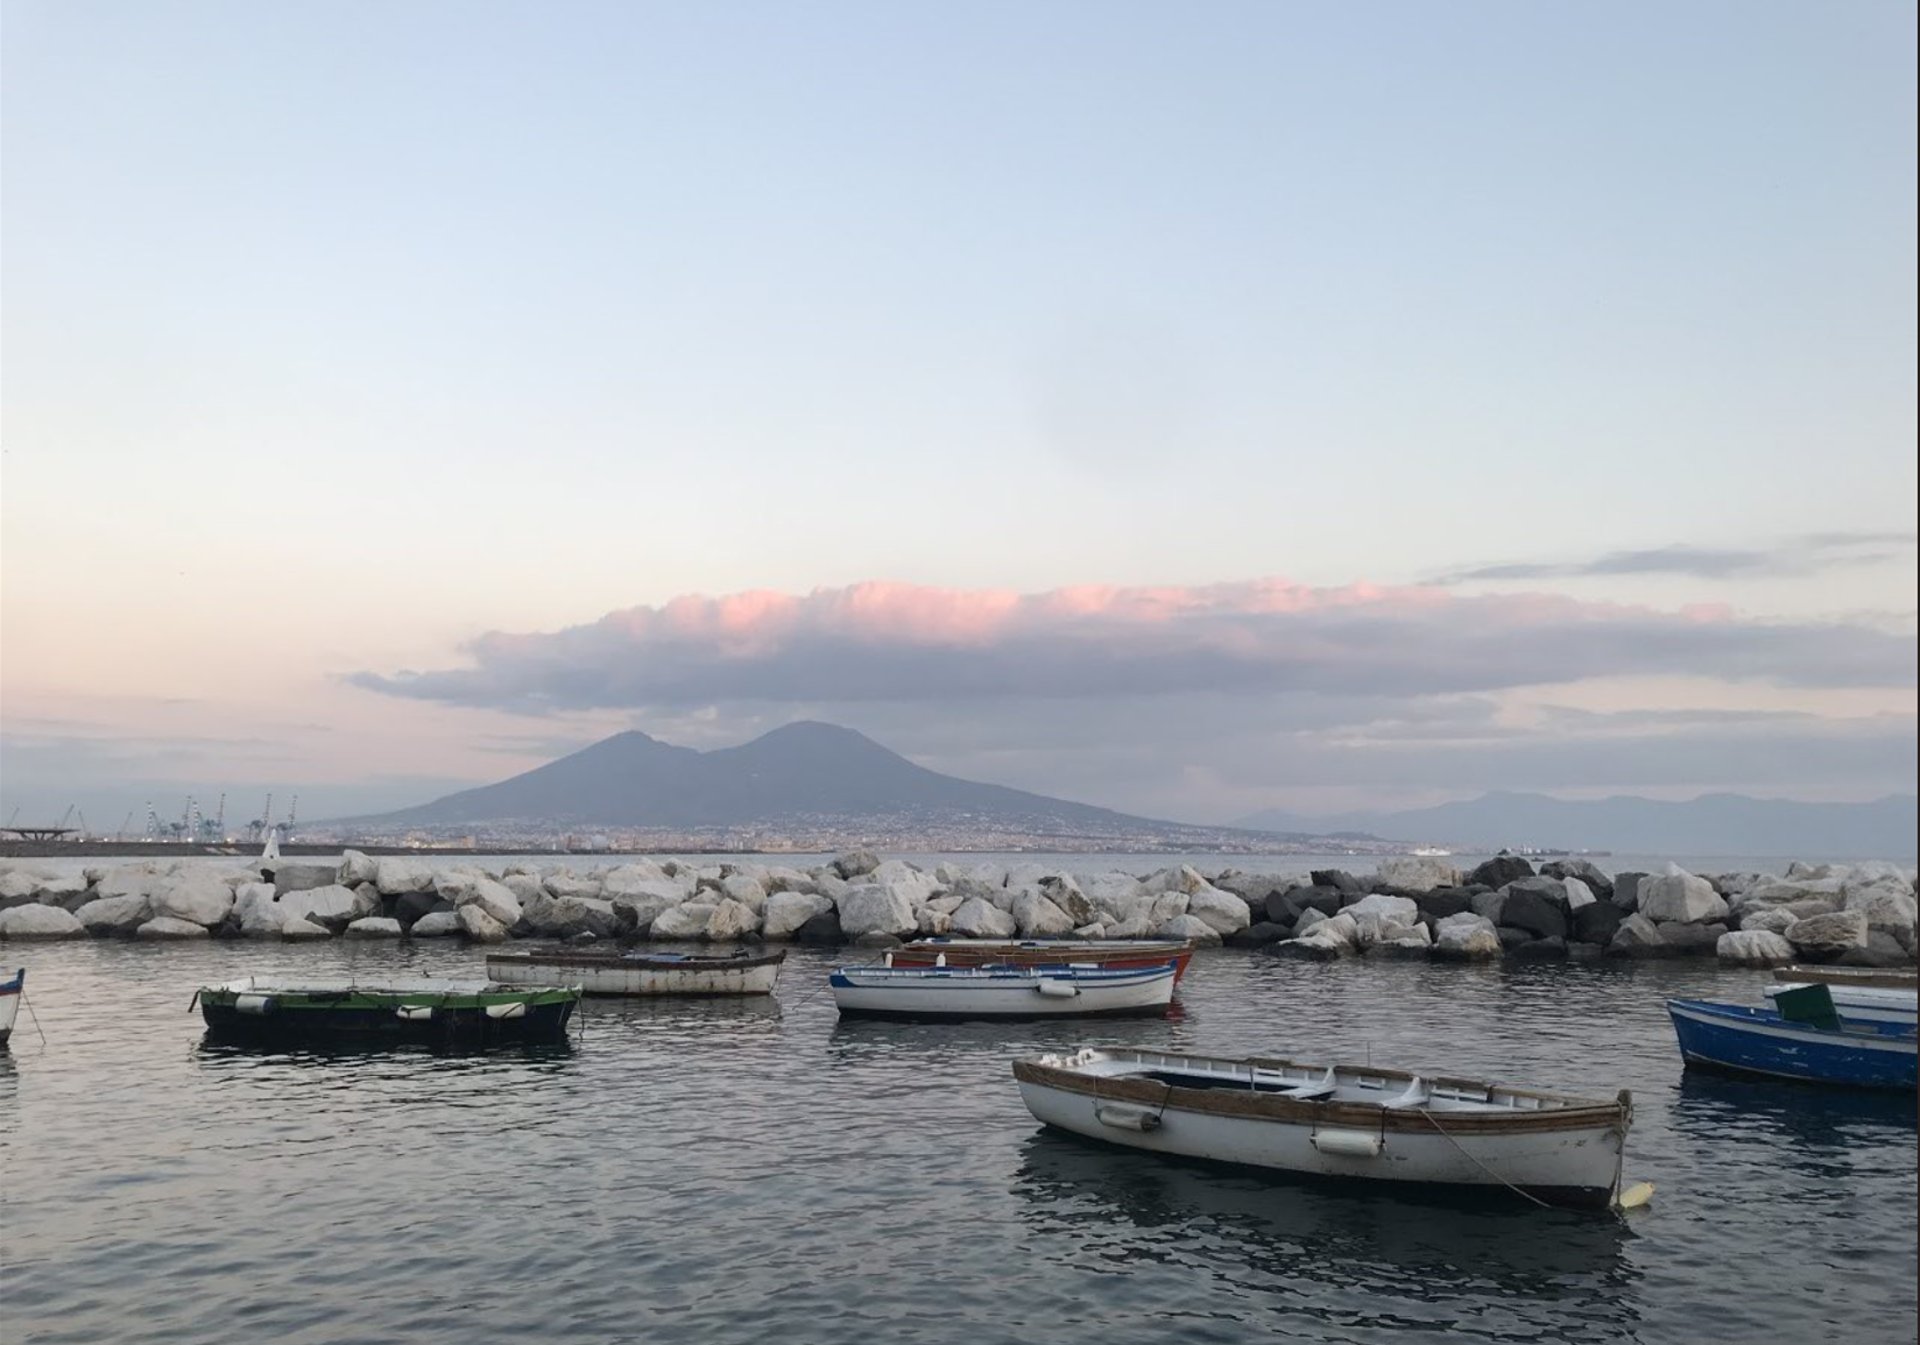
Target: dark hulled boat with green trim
x: 431, y: 1012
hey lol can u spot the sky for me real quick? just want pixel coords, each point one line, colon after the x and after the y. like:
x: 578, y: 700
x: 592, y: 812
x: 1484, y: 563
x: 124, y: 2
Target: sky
x: 1190, y: 411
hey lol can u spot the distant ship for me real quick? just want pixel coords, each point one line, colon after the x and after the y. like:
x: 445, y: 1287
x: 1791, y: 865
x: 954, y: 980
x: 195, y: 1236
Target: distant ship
x: 1429, y: 852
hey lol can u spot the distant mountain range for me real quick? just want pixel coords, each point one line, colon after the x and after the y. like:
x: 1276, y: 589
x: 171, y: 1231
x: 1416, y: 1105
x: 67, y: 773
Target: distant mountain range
x: 811, y: 777
x: 1713, y: 824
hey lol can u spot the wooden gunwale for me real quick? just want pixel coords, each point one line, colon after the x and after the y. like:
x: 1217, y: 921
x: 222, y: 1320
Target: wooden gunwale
x: 1862, y: 978
x: 1253, y: 1106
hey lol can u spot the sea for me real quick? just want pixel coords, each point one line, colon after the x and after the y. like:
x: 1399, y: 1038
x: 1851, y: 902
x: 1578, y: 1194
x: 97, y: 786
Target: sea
x: 759, y: 1171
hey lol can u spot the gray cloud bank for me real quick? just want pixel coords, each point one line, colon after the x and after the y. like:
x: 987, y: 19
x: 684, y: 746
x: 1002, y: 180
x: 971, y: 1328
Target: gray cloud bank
x: 1811, y: 554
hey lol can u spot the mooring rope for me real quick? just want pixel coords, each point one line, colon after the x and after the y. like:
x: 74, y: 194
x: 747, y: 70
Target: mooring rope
x: 1476, y: 1162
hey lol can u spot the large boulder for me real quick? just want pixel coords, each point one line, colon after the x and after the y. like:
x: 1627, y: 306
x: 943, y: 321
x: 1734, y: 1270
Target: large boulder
x: 977, y: 919
x: 1437, y: 903
x: 1064, y: 891
x: 1638, y: 937
x: 171, y: 927
x: 197, y: 896
x: 1220, y: 911
x: 1626, y: 890
x: 1773, y: 919
x: 1499, y: 871
x: 1035, y: 917
x: 1583, y: 871
x: 873, y: 909
x: 1681, y: 898
x: 732, y: 920
x: 257, y: 914
x: 1418, y: 873
x: 498, y: 901
x: 1256, y: 935
x: 1888, y: 908
x: 856, y: 864
x: 637, y: 911
x: 355, y: 869
x: 1753, y: 948
x: 1537, y: 905
x: 568, y: 917
x: 394, y: 874
x: 822, y: 931
x: 41, y: 922
x: 479, y: 926
x: 903, y: 878
x: 1823, y: 938
x: 68, y: 891
x: 290, y: 877
x: 1685, y: 937
x: 1189, y: 927
x: 1338, y: 879
x: 1400, y: 910
x: 1597, y: 923
x: 786, y: 911
x: 374, y: 927
x: 17, y: 887
x: 331, y: 908
x: 1465, y: 937
x: 566, y: 883
x: 745, y: 889
x: 1882, y: 950
x: 129, y: 879
x: 688, y: 920
x: 435, y: 925
x: 295, y: 931
x: 1184, y: 879
x: 1578, y: 893
x: 117, y: 915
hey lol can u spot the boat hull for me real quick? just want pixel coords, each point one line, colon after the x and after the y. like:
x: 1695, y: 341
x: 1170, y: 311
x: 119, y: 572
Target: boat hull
x: 1114, y: 954
x: 641, y: 977
x: 291, y: 1018
x: 1565, y: 1161
x: 1735, y: 1039
x: 1862, y: 1004
x: 957, y: 994
x: 10, y: 991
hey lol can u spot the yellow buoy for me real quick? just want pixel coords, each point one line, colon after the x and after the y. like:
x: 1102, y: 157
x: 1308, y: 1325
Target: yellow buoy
x: 1633, y: 1197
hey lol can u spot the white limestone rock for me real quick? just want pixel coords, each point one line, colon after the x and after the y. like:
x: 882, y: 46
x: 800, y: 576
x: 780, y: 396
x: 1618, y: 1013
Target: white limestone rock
x: 1166, y: 906
x: 41, y: 922
x: 1829, y: 936
x: 128, y: 880
x: 298, y: 930
x: 1185, y: 880
x: 640, y: 909
x: 1681, y: 898
x: 1773, y: 919
x: 732, y: 920
x: 496, y: 899
x: 524, y: 886
x: 1465, y: 937
x: 1136, y: 928
x: 1093, y: 931
x: 687, y: 920
x: 855, y: 864
x: 1038, y: 918
x: 1220, y: 911
x: 873, y: 909
x: 17, y: 887
x: 566, y: 917
x: 1190, y: 927
x: 1418, y: 873
x: 1637, y: 936
x: 1753, y: 948
x: 357, y: 868
x: 978, y: 919
x: 197, y: 897
x: 946, y: 903
x: 1400, y: 910
x: 1888, y: 907
x: 116, y: 915
x: 479, y: 926
x: 171, y: 927
x: 1117, y: 894
x: 908, y: 881
x: 1064, y: 891
x: 330, y: 908
x: 931, y: 923
x: 374, y: 927
x: 745, y: 889
x: 66, y: 890
x: 395, y: 875
x: 435, y: 925
x: 787, y: 910
x: 1578, y: 894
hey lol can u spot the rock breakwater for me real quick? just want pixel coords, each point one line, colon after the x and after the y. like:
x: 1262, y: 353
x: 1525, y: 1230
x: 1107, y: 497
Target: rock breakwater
x: 1857, y: 915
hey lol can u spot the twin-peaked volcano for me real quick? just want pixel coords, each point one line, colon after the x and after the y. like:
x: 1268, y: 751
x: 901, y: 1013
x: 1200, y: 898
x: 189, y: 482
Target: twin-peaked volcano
x: 804, y: 770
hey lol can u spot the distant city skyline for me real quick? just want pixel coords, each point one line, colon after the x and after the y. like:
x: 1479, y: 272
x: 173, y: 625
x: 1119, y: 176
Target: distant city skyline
x: 1316, y: 409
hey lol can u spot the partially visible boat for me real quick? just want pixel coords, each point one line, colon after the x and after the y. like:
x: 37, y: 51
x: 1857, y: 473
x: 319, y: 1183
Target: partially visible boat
x: 1860, y: 1003
x: 1002, y: 991
x: 1362, y: 1123
x: 1814, y: 1047
x: 434, y: 1012
x: 10, y: 992
x: 741, y: 973
x: 950, y: 952
x: 1859, y: 978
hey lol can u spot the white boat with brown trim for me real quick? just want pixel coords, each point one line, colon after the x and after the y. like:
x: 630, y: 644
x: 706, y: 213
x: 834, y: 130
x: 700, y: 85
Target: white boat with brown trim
x: 957, y: 993
x: 1338, y: 1121
x: 742, y: 973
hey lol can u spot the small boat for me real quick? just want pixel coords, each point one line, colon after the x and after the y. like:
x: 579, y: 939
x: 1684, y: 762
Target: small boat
x: 1806, y: 1037
x: 10, y: 992
x: 1860, y: 1003
x: 463, y: 1013
x: 946, y: 952
x: 1366, y: 1124
x: 1858, y: 978
x: 740, y: 973
x: 1002, y: 992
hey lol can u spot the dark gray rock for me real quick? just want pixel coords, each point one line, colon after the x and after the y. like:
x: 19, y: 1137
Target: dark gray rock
x: 1320, y: 897
x: 1597, y: 921
x: 1626, y: 891
x: 1280, y: 907
x: 410, y: 906
x: 1585, y: 952
x: 1511, y: 938
x: 1338, y: 879
x: 1257, y: 936
x: 1306, y: 951
x: 1387, y: 890
x: 1500, y: 870
x: 1690, y: 940
x: 822, y: 931
x: 1882, y: 950
x: 1528, y: 908
x: 1441, y: 902
x: 1407, y: 952
x: 1540, y: 950
x: 874, y: 938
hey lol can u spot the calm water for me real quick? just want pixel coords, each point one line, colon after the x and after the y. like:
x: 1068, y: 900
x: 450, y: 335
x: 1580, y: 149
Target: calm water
x: 742, y: 1172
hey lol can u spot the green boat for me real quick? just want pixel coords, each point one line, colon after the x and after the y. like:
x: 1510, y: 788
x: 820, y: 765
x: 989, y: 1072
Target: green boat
x: 430, y: 1012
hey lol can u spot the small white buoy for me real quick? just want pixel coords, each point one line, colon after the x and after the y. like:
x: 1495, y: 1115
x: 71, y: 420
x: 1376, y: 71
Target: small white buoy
x: 1633, y: 1197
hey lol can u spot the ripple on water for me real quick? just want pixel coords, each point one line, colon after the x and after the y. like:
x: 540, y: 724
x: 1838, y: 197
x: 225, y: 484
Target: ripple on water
x: 721, y: 1171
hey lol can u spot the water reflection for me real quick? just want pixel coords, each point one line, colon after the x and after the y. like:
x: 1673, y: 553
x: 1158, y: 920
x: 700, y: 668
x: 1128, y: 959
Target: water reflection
x: 1811, y: 1116
x: 1434, y: 1248
x: 215, y: 1050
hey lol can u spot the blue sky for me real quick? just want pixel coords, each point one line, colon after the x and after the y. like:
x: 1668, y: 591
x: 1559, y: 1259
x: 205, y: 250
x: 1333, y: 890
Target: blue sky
x: 340, y: 335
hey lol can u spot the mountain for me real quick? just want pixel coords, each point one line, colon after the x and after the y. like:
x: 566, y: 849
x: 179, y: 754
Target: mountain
x: 804, y: 775
x: 1713, y: 824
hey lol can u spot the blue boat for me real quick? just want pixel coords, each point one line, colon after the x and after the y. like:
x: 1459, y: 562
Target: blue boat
x: 1766, y: 1043
x: 10, y: 991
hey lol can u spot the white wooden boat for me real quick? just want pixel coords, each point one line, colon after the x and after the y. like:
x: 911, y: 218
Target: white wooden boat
x: 1002, y: 992
x: 641, y: 973
x: 1338, y: 1121
x: 10, y: 992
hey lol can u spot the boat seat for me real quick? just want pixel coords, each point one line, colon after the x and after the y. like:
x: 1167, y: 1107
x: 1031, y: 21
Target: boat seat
x: 1321, y: 1087
x: 1415, y: 1096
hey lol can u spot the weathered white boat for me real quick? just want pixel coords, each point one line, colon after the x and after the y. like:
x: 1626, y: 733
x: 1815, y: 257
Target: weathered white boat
x: 641, y: 973
x: 10, y: 992
x: 1860, y: 1003
x: 1002, y: 992
x: 1338, y: 1121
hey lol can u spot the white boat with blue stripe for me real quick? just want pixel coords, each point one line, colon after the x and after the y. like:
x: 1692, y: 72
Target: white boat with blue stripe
x: 1003, y: 992
x: 1841, y: 1050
